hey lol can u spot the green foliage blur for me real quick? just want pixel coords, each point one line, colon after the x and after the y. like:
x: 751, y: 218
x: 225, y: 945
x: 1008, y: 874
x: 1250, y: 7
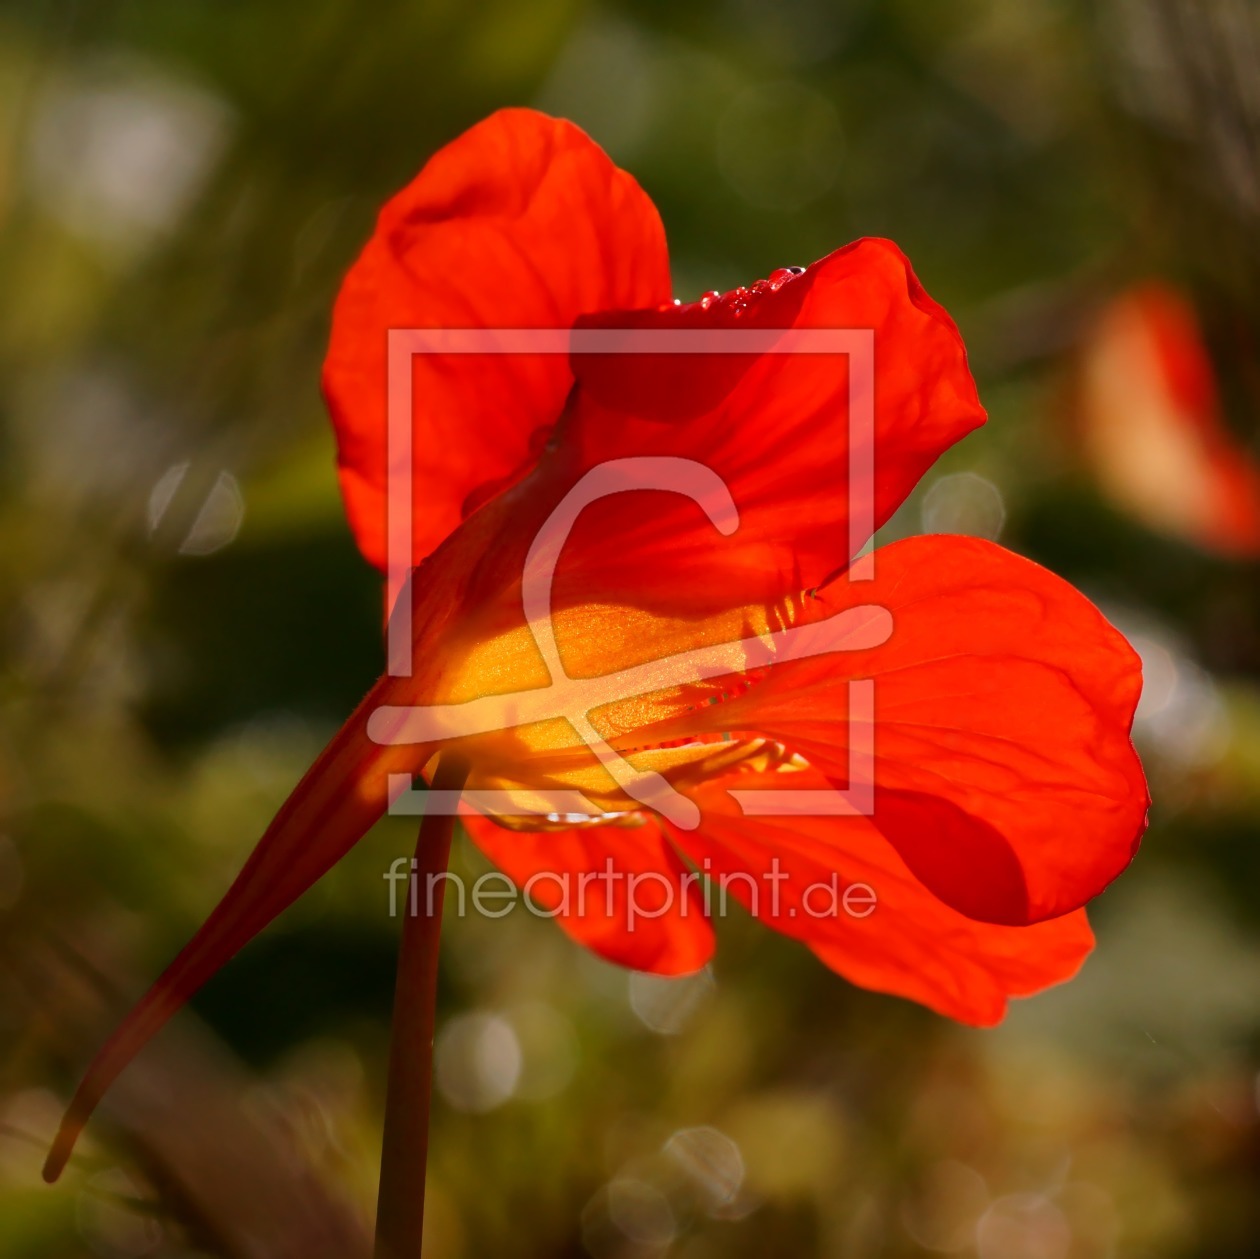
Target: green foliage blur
x: 184, y: 620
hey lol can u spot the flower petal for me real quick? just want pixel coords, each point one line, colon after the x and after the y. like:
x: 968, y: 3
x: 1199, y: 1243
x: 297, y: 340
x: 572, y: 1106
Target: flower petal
x: 522, y: 222
x: 833, y: 884
x: 1004, y: 773
x: 710, y: 506
x: 620, y: 891
x: 811, y: 468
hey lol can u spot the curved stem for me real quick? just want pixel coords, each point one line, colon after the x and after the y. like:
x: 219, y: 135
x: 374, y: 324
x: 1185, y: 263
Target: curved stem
x: 405, y: 1145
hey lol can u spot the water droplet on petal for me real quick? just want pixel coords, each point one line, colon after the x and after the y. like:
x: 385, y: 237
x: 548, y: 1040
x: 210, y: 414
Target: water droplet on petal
x: 782, y: 276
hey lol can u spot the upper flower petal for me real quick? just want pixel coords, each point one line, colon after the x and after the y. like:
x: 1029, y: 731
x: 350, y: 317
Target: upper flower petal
x: 836, y: 886
x: 766, y: 474
x: 522, y: 222
x: 619, y: 890
x: 1004, y: 773
x: 817, y: 443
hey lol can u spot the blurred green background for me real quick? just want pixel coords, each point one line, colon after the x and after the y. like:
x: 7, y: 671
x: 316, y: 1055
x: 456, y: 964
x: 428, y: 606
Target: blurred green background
x: 184, y: 620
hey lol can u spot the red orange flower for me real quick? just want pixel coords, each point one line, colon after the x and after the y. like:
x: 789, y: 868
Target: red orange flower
x: 1006, y: 790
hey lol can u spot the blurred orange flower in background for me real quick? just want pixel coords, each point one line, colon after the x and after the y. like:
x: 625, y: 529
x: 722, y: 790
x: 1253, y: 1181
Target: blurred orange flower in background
x: 1152, y: 426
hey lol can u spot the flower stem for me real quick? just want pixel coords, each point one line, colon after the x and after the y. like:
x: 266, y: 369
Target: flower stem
x: 405, y: 1145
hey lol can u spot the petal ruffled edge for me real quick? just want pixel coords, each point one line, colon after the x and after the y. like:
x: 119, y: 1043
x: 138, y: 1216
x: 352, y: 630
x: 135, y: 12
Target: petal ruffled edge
x: 523, y: 222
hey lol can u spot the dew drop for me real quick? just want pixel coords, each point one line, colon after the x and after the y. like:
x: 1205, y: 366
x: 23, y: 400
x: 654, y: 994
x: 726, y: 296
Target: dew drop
x: 780, y: 277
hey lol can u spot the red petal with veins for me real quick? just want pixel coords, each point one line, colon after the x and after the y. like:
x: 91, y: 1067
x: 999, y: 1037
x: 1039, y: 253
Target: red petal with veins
x: 1005, y: 776
x: 835, y: 885
x: 783, y: 431
x: 620, y: 891
x: 522, y: 222
x: 775, y: 432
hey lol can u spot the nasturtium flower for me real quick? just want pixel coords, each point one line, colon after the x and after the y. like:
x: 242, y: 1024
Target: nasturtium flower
x: 1152, y: 427
x: 1006, y: 789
